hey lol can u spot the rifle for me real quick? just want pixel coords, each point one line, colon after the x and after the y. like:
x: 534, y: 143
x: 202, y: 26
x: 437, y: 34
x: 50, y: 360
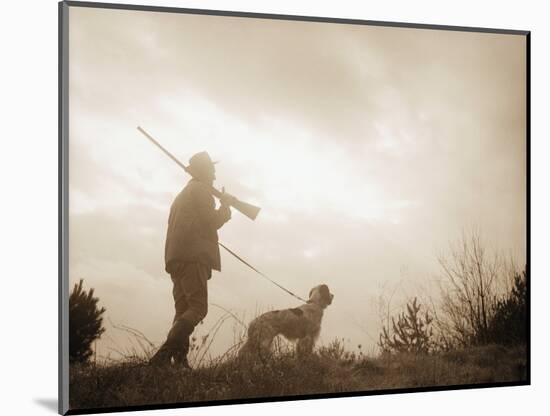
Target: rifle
x: 245, y: 208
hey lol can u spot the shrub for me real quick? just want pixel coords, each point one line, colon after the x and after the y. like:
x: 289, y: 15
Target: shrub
x: 85, y: 323
x: 412, y: 332
x: 508, y: 325
x: 470, y: 276
x: 336, y: 351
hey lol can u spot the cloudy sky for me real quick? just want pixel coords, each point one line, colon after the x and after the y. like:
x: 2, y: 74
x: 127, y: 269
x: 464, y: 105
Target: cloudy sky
x: 369, y: 149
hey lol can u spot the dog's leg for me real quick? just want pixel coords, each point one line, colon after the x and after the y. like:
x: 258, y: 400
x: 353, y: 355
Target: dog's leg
x: 244, y: 350
x: 258, y: 343
x: 250, y: 345
x: 264, y: 338
x: 304, y: 346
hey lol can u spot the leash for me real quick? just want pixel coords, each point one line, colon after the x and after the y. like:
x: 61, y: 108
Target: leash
x: 281, y: 287
x: 260, y: 273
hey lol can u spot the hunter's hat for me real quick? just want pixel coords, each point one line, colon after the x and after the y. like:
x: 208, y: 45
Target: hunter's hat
x: 201, y: 162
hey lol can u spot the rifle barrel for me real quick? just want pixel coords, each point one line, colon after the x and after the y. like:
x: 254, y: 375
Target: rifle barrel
x: 247, y: 209
x: 166, y: 152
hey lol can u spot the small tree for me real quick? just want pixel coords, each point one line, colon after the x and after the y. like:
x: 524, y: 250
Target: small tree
x: 508, y: 325
x: 470, y: 276
x: 412, y: 332
x: 85, y: 323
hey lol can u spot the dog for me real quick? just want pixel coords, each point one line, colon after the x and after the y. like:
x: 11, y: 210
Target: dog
x: 301, y: 324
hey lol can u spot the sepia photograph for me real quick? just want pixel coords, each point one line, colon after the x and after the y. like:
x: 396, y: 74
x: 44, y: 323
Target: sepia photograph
x: 266, y: 208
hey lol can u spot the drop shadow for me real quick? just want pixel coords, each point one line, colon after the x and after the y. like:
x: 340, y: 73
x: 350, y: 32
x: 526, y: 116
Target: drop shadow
x: 49, y: 404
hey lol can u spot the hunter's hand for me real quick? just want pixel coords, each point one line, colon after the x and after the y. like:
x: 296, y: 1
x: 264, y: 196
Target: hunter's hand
x: 226, y: 199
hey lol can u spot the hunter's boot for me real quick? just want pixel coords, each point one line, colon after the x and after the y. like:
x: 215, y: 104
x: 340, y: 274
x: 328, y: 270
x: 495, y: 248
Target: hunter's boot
x: 162, y: 356
x: 176, y: 344
x: 180, y: 355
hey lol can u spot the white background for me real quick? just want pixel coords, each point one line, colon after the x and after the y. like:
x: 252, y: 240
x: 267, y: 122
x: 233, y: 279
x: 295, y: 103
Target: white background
x: 28, y: 232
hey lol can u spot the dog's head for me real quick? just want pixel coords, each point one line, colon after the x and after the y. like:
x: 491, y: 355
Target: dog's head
x: 321, y: 296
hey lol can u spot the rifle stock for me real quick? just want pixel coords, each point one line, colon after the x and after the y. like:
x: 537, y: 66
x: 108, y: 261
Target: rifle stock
x: 249, y: 210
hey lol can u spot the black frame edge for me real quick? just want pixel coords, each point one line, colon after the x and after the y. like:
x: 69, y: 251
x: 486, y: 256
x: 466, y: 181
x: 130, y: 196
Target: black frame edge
x: 63, y: 165
x: 340, y: 395
x: 528, y: 196
x: 180, y: 10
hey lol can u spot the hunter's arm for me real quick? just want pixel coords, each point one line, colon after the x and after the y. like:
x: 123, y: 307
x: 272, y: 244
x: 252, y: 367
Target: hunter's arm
x: 206, y: 208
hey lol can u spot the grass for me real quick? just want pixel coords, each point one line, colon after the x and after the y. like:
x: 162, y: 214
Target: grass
x: 331, y: 369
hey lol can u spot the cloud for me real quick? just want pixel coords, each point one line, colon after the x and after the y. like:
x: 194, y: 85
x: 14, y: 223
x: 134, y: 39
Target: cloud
x: 368, y: 149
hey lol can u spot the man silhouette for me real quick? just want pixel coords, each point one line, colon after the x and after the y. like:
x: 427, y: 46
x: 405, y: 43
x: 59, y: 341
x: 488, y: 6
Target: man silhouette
x: 191, y: 252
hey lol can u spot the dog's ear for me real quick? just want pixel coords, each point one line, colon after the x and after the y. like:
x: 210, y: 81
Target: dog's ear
x: 325, y: 293
x: 310, y: 293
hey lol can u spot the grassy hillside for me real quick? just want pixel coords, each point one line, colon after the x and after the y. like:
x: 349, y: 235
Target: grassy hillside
x: 329, y: 370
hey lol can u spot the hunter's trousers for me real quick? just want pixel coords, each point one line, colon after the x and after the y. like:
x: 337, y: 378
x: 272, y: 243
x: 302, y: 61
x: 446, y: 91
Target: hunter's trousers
x: 190, y: 292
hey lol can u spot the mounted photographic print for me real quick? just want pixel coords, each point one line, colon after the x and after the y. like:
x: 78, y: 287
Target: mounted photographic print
x: 264, y: 208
